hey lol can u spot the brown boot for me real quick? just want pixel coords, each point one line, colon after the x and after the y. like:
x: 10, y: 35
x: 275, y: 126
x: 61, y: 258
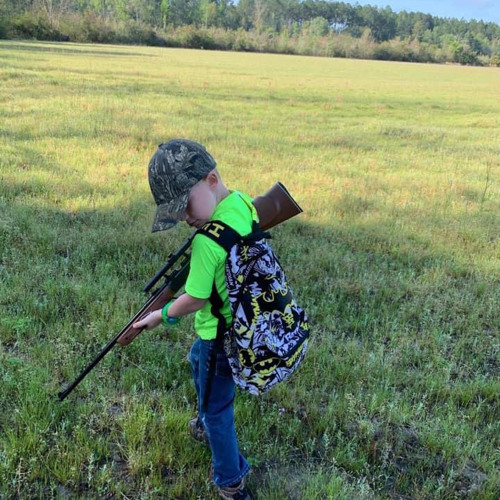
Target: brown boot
x: 235, y: 492
x: 197, y: 431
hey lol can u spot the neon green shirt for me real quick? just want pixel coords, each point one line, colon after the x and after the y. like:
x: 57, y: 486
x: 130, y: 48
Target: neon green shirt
x: 208, y: 261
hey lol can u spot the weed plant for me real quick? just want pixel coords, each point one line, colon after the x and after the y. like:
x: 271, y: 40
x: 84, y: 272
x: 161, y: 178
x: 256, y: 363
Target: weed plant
x: 396, y: 260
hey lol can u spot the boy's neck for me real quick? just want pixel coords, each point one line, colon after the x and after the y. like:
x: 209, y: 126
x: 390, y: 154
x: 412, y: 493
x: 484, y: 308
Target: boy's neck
x: 221, y: 193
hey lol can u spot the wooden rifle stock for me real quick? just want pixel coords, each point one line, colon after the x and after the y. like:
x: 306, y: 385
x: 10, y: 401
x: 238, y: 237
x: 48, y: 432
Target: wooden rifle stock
x: 274, y: 207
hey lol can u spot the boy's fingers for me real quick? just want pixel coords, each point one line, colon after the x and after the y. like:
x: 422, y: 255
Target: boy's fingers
x: 146, y: 322
x: 141, y: 323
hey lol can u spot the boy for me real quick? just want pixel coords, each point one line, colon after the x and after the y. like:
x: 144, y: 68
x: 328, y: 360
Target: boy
x: 187, y: 186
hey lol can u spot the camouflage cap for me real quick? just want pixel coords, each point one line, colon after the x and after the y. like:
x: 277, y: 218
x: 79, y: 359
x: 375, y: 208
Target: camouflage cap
x: 174, y: 169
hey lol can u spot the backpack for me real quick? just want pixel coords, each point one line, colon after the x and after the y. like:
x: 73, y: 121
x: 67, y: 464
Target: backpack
x: 268, y: 337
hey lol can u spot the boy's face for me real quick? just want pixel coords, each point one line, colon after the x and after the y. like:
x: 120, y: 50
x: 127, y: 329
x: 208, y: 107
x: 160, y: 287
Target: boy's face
x: 202, y: 202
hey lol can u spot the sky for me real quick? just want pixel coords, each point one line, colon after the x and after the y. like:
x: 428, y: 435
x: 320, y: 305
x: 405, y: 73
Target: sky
x: 486, y: 10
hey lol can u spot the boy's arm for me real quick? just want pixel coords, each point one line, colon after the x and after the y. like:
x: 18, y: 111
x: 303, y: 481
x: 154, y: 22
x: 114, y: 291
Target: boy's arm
x: 185, y: 304
x: 204, y: 259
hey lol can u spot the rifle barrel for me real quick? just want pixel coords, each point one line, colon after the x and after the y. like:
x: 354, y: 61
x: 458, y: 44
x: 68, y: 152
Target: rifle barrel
x: 62, y: 395
x: 111, y: 344
x: 170, y: 262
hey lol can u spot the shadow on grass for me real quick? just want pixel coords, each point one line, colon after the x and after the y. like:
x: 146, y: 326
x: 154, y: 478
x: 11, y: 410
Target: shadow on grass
x: 61, y: 48
x: 405, y: 317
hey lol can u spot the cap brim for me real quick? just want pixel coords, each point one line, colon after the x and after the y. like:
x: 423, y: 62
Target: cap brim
x: 169, y: 214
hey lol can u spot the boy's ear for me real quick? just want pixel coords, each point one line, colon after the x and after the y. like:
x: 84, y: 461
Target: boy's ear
x: 212, y: 179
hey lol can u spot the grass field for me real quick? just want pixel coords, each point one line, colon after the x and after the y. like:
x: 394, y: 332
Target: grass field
x: 396, y: 260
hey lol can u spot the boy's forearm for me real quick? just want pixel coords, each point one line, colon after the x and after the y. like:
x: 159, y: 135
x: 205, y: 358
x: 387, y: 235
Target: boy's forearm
x: 185, y: 304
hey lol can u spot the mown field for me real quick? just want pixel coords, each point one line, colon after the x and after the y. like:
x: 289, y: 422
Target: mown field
x: 396, y: 259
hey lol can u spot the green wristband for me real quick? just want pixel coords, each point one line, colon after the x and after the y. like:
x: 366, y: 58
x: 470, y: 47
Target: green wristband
x: 168, y: 320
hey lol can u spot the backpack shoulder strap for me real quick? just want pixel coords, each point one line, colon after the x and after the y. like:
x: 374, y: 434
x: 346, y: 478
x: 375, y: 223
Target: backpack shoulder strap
x: 221, y: 233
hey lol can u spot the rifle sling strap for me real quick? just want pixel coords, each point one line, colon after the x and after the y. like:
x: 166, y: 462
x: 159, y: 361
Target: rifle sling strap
x: 216, y: 303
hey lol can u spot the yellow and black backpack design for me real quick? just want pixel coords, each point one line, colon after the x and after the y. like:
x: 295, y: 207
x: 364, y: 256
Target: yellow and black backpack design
x: 269, y: 335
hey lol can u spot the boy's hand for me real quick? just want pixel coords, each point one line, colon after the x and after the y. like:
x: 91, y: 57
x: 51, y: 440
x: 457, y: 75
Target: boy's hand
x: 152, y: 320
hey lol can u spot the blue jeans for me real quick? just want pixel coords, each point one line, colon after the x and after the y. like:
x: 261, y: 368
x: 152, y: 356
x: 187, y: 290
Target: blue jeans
x: 216, y: 410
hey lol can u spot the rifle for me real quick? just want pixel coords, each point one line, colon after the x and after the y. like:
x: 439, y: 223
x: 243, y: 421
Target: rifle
x: 274, y: 207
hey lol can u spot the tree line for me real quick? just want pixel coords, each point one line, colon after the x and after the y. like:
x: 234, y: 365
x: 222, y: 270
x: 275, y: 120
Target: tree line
x: 309, y: 27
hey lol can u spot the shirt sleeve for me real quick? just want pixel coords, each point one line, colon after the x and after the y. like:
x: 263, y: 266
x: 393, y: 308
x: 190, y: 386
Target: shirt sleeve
x: 206, y: 256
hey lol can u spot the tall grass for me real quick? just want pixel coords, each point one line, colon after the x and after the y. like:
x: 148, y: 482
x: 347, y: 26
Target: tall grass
x: 396, y: 259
